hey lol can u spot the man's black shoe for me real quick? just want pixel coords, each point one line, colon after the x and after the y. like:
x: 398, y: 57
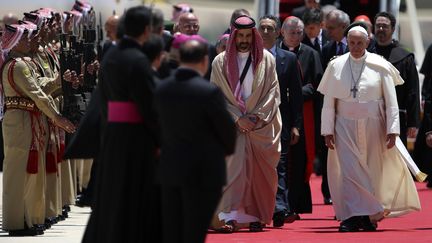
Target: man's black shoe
x: 278, y: 219
x: 60, y: 217
x: 82, y: 201
x: 40, y: 227
x: 291, y: 217
x: 65, y: 214
x: 33, y: 231
x: 367, y: 225
x: 66, y: 208
x: 429, y: 184
x: 350, y: 225
x: 48, y: 223
x: 328, y: 201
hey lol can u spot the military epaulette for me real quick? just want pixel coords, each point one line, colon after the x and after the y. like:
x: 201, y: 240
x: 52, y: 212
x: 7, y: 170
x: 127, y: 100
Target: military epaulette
x: 334, y: 57
x: 19, y: 59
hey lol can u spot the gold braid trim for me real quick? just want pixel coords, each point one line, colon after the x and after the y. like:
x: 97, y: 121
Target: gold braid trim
x: 420, y: 177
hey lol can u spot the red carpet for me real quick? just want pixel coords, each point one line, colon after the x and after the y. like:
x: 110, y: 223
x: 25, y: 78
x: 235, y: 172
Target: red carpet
x: 319, y: 226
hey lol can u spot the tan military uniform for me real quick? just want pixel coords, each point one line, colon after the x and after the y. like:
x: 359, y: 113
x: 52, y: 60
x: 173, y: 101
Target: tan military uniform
x: 25, y: 135
x: 48, y: 69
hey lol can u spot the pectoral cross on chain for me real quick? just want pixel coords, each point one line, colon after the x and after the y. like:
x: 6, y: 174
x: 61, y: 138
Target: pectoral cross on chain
x: 354, y: 91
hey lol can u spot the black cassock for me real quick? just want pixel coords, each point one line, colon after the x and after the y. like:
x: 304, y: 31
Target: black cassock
x: 291, y: 109
x: 301, y: 167
x: 408, y: 93
x: 422, y: 154
x: 126, y: 201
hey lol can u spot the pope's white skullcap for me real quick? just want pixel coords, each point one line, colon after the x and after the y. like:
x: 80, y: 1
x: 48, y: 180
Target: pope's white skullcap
x: 360, y: 29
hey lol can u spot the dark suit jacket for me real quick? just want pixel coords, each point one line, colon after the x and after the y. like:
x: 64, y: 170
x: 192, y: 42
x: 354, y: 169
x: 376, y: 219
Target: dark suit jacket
x: 197, y: 131
x: 290, y: 86
x: 324, y: 39
x: 299, y: 11
x: 311, y: 69
x: 328, y: 52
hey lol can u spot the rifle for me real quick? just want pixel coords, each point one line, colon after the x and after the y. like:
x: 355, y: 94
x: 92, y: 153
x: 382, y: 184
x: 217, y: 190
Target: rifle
x: 89, y: 55
x: 99, y: 38
x: 70, y: 58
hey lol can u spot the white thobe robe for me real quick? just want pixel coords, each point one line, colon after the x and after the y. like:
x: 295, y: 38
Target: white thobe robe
x: 250, y: 192
x: 365, y: 178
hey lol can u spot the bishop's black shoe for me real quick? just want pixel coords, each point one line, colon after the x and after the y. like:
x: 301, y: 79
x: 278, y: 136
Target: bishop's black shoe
x: 350, y: 225
x: 328, y: 201
x: 82, y: 201
x: 279, y: 219
x: 367, y: 225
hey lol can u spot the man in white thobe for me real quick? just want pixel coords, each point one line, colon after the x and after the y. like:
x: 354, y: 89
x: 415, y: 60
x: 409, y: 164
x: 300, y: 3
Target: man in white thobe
x: 368, y: 175
x: 246, y: 74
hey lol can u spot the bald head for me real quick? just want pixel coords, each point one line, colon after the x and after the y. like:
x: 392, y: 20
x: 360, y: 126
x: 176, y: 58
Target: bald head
x: 188, y: 24
x: 111, y: 27
x: 194, y: 54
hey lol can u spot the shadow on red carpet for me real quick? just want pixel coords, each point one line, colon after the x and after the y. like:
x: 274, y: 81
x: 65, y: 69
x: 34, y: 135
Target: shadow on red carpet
x: 320, y: 226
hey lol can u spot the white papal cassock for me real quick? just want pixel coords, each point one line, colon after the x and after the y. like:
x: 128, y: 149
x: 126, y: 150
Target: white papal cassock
x: 365, y: 178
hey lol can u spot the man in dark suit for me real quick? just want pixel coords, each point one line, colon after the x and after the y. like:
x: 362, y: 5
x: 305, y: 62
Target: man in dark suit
x: 111, y: 33
x: 197, y: 134
x: 336, y: 23
x: 309, y: 4
x: 291, y: 109
x: 315, y: 36
x: 303, y: 153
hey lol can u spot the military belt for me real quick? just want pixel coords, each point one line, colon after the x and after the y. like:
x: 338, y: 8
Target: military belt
x: 21, y: 103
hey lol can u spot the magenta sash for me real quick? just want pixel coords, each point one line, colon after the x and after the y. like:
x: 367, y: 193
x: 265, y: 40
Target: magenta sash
x: 123, y: 112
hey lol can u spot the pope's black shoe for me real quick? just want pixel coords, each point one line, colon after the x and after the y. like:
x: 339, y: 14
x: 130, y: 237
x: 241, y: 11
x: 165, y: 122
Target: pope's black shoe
x: 350, y: 225
x: 255, y: 227
x: 367, y: 225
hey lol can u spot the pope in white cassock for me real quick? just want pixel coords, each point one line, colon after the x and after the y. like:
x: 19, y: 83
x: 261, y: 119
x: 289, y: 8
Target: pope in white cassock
x: 368, y: 175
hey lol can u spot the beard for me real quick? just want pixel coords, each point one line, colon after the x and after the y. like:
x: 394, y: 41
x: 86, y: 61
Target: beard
x: 243, y: 46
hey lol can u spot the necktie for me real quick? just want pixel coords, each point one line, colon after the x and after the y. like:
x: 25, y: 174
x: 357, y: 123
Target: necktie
x: 340, y: 50
x: 317, y: 45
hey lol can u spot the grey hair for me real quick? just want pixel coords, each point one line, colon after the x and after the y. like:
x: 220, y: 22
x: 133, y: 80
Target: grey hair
x: 340, y: 16
x: 291, y: 22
